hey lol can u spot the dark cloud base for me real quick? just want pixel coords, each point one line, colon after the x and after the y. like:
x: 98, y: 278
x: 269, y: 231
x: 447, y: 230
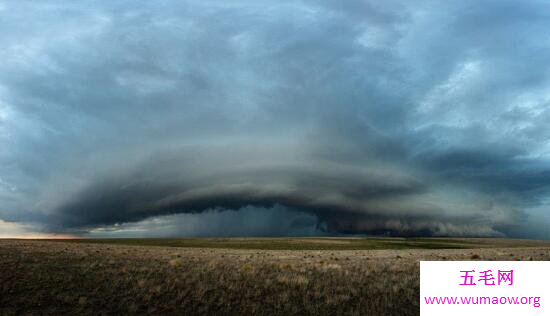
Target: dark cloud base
x: 276, y: 221
x: 342, y: 199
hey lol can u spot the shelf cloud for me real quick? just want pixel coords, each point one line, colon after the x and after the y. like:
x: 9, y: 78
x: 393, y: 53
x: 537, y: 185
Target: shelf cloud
x: 275, y: 118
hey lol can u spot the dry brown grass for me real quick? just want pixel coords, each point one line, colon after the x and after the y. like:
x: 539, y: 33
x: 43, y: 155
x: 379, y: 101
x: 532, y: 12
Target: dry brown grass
x: 42, y: 277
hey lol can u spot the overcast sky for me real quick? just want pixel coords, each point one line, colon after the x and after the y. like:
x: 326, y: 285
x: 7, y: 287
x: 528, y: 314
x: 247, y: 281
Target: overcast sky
x: 269, y: 118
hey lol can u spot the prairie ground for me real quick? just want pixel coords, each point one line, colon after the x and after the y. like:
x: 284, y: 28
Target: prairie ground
x: 259, y: 276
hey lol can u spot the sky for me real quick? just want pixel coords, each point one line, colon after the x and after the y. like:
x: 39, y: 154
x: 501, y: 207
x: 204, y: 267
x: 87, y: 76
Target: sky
x: 275, y: 118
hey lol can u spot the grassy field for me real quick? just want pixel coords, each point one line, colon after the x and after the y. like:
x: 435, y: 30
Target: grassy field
x: 289, y: 276
x: 323, y: 243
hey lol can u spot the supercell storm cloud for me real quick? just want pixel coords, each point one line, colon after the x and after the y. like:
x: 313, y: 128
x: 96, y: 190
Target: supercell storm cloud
x: 294, y: 117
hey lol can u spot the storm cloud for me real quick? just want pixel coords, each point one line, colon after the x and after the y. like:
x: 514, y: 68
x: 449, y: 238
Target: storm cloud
x: 360, y: 117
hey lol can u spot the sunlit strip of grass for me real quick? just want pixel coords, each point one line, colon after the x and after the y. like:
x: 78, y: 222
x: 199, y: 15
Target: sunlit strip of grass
x: 290, y: 243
